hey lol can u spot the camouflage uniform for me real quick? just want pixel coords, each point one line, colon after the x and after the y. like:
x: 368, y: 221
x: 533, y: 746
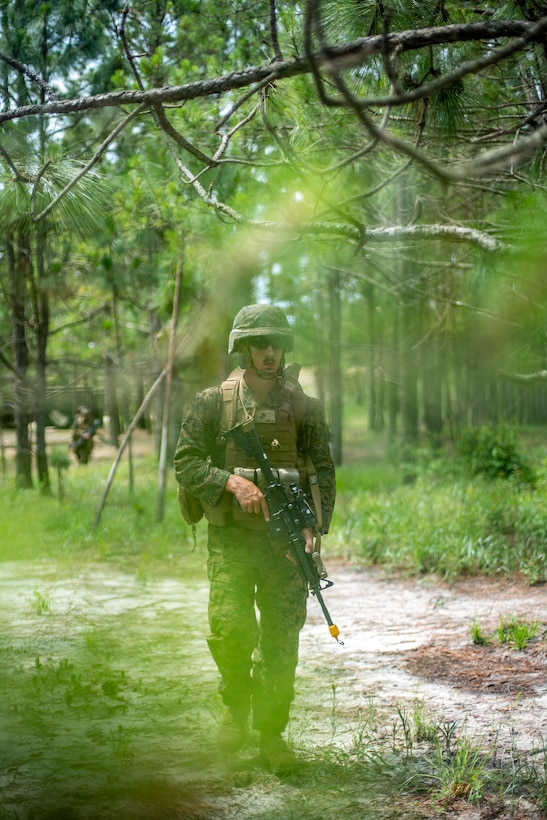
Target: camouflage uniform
x: 81, y: 442
x: 245, y: 566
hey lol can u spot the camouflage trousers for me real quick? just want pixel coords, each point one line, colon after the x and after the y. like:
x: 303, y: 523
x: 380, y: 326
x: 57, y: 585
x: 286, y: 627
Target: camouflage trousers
x: 83, y: 450
x: 256, y: 657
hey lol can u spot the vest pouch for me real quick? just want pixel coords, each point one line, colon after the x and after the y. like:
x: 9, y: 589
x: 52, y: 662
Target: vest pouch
x: 218, y: 515
x: 250, y: 521
x: 285, y: 476
x: 246, y: 472
x: 190, y: 507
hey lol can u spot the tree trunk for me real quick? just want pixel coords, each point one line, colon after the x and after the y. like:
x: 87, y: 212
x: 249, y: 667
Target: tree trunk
x: 432, y: 390
x: 375, y: 397
x: 18, y: 266
x: 164, y: 447
x: 110, y: 399
x: 41, y: 330
x: 409, y: 369
x: 393, y: 392
x: 371, y: 367
x: 409, y: 387
x: 335, y: 374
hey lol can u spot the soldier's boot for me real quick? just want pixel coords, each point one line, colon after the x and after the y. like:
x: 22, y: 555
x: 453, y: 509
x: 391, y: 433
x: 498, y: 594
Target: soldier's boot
x: 232, y: 730
x: 280, y: 758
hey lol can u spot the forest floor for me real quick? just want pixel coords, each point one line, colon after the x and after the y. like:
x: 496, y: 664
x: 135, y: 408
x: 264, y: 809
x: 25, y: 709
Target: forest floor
x: 108, y: 704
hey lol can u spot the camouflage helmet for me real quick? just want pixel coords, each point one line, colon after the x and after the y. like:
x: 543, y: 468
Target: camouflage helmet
x: 260, y: 320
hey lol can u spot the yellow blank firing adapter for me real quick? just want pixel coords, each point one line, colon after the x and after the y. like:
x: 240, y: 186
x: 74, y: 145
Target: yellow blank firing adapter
x: 334, y: 631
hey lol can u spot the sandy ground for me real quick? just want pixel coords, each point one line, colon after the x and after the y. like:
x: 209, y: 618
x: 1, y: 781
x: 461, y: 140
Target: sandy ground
x: 406, y: 641
x: 407, y: 645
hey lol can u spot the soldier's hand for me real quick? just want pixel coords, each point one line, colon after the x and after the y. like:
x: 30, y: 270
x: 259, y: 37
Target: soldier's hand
x: 251, y: 499
x: 308, y: 536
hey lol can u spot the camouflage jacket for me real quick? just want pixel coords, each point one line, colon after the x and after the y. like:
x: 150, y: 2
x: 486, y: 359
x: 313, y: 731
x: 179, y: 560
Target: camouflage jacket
x: 200, y: 456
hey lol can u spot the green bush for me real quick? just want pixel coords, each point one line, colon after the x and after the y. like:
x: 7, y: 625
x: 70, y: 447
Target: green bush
x: 495, y: 454
x: 461, y: 526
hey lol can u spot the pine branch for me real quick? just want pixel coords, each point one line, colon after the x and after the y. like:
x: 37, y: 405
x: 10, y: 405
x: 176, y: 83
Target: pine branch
x: 335, y: 59
x: 30, y: 73
x: 363, y: 234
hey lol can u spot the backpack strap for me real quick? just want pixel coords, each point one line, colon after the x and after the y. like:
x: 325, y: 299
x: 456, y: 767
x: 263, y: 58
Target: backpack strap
x: 230, y: 389
x: 316, y: 496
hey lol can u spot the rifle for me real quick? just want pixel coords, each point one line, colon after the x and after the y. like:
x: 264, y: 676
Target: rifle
x: 289, y: 515
x: 89, y: 433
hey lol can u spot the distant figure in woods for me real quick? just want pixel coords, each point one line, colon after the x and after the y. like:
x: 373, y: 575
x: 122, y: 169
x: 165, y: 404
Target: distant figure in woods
x: 256, y: 659
x: 81, y: 435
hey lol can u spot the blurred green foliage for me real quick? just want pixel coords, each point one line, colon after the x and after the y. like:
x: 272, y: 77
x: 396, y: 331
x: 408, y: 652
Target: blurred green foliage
x: 452, y: 520
x: 495, y: 453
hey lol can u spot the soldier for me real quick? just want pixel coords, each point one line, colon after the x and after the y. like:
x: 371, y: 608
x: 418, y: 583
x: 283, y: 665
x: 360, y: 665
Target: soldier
x: 81, y: 435
x: 247, y: 568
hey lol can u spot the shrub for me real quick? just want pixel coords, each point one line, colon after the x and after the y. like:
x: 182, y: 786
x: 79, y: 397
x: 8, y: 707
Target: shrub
x: 452, y: 528
x: 495, y: 454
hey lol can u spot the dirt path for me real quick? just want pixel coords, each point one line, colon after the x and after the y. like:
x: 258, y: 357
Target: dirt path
x: 407, y: 641
x: 106, y: 679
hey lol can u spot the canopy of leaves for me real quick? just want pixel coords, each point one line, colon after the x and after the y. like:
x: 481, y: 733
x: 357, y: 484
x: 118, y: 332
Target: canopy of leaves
x: 391, y: 158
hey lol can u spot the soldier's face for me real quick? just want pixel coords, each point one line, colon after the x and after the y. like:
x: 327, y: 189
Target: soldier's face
x: 266, y: 356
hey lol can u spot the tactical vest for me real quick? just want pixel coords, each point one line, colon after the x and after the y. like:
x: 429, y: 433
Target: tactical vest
x: 277, y: 428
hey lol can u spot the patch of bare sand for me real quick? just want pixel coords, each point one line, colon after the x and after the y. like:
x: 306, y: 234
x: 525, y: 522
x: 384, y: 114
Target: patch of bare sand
x: 408, y: 641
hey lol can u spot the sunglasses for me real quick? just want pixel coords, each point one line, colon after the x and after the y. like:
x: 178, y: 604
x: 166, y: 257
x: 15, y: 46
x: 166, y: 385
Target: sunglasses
x: 262, y: 342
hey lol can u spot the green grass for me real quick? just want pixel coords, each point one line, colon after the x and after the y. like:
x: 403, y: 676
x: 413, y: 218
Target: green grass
x: 512, y: 630
x: 445, y: 521
x: 38, y: 526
